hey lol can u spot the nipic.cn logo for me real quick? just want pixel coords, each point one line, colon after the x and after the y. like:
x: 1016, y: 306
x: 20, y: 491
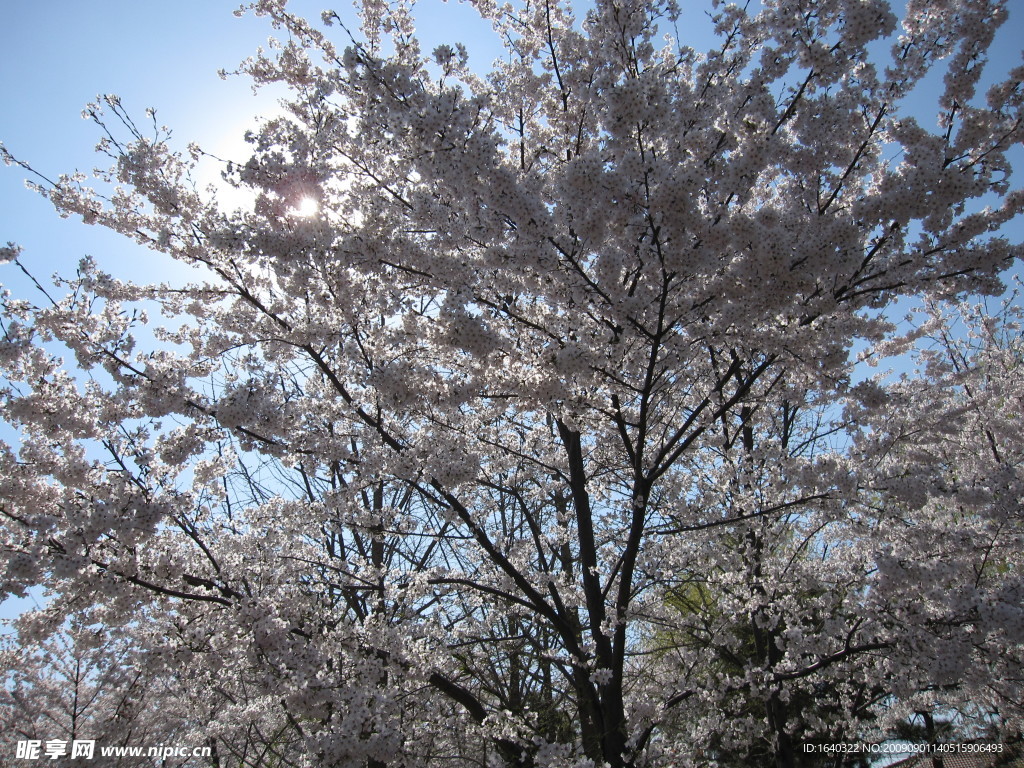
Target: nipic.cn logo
x: 33, y: 749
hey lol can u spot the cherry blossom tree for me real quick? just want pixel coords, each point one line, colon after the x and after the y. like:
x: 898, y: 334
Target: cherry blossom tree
x: 920, y: 562
x: 515, y: 421
x: 949, y: 468
x: 86, y: 685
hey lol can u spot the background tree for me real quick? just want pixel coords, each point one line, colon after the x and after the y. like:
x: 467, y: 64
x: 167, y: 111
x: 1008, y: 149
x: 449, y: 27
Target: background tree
x: 495, y: 364
x: 84, y: 684
x: 953, y: 497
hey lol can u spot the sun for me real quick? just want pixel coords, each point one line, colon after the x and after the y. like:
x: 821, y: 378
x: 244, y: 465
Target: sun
x: 305, y: 208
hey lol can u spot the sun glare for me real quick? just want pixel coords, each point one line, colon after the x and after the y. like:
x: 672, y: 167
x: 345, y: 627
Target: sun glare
x: 306, y: 207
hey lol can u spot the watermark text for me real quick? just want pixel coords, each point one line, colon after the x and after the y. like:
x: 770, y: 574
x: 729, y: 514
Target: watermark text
x: 86, y: 749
